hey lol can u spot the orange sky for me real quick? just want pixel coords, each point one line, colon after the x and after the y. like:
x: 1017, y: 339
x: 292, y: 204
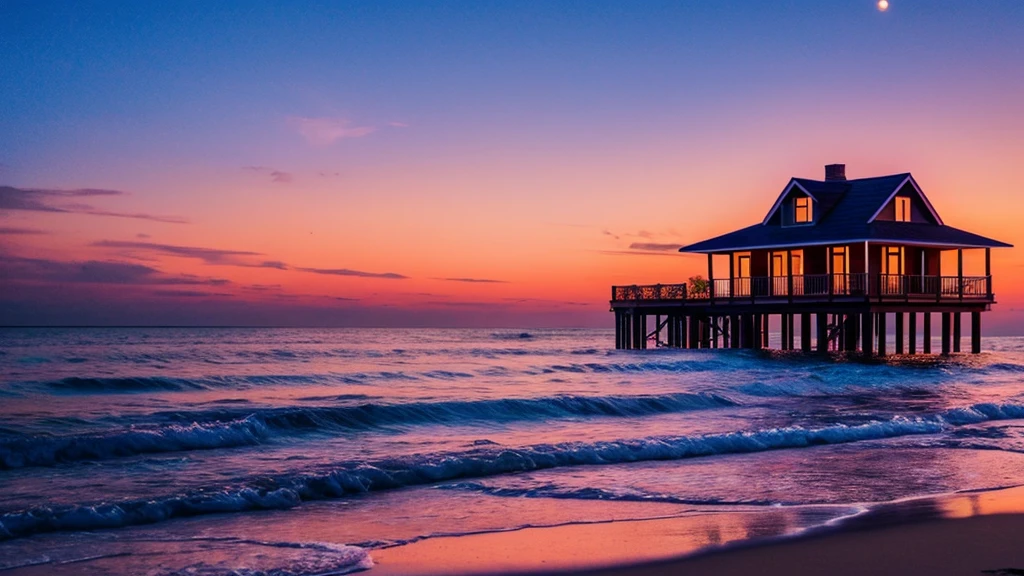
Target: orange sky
x: 539, y: 167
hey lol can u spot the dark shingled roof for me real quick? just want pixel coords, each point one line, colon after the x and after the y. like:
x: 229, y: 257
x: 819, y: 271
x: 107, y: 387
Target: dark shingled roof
x: 845, y: 207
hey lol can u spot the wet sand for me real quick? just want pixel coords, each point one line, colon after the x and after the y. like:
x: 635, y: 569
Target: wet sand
x: 967, y: 534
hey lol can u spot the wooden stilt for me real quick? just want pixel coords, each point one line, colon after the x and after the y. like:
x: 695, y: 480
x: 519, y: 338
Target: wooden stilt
x: 850, y: 328
x: 643, y: 331
x: 956, y: 332
x: 822, y: 332
x: 867, y: 334
x: 926, y: 335
x: 899, y: 333
x: 784, y: 332
x: 881, y: 334
x: 694, y: 332
x: 735, y: 332
x: 765, y: 341
x: 912, y: 333
x: 975, y: 332
x: 946, y: 329
x: 805, y: 332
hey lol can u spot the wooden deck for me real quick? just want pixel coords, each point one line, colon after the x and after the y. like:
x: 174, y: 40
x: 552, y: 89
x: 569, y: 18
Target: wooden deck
x: 811, y: 289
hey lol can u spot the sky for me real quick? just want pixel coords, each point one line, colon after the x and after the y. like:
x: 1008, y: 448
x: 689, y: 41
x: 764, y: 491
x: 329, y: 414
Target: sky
x: 468, y: 163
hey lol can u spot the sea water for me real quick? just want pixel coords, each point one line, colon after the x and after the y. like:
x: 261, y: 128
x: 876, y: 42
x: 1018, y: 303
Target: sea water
x: 301, y: 451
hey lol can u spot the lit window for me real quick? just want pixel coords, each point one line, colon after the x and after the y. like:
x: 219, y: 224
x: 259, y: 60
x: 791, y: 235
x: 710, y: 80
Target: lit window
x: 802, y: 213
x: 902, y: 209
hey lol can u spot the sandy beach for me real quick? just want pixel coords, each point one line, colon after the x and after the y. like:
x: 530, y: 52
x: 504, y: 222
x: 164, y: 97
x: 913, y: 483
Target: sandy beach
x: 952, y: 535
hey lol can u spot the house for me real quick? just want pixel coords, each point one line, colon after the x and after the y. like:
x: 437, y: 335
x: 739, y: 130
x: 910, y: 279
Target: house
x: 850, y: 252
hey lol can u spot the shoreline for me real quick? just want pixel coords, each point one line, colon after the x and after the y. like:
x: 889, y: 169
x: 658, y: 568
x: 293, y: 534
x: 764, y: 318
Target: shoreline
x: 958, y: 533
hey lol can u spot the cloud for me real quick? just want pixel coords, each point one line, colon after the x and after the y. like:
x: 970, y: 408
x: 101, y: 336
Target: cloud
x: 398, y: 124
x: 327, y: 131
x: 655, y: 247
x: 208, y: 255
x: 610, y: 233
x: 5, y: 231
x: 143, y: 236
x: 191, y: 294
x: 95, y: 272
x: 472, y: 280
x: 217, y: 256
x: 63, y: 202
x: 357, y: 273
x: 278, y: 176
x: 262, y: 287
x: 639, y: 253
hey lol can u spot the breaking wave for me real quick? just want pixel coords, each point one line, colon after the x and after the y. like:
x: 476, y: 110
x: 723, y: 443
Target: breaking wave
x: 229, y: 428
x: 358, y: 477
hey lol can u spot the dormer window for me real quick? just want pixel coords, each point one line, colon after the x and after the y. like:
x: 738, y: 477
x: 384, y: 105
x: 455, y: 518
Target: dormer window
x: 902, y: 209
x: 802, y: 210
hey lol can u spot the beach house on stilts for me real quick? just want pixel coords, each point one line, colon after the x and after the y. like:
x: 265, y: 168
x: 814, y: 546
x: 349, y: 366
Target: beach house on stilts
x: 834, y: 260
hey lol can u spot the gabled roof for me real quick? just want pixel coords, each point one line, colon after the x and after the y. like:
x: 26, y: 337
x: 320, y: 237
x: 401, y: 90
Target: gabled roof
x: 848, y: 210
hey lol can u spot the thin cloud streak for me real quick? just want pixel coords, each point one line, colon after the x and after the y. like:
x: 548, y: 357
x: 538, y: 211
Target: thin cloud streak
x: 355, y: 273
x: 208, y: 255
x: 9, y: 231
x: 56, y: 201
x: 326, y: 131
x: 472, y: 280
x: 655, y: 247
x: 216, y: 256
x: 95, y: 272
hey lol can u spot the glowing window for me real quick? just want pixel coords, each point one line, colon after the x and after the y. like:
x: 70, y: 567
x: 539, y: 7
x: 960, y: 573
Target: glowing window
x: 902, y: 209
x: 802, y: 210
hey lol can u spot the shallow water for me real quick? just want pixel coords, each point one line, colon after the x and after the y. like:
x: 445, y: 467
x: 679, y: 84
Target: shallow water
x: 201, y: 451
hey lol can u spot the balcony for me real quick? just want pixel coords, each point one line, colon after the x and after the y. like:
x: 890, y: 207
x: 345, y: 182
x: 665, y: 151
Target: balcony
x: 816, y: 287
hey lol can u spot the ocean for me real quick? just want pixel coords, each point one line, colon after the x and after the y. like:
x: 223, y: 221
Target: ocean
x: 304, y: 451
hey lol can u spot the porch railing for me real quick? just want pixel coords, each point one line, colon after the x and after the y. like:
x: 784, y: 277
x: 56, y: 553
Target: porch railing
x: 815, y: 286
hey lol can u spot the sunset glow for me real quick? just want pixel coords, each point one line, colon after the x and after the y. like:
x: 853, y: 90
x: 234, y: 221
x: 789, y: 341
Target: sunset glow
x: 359, y: 165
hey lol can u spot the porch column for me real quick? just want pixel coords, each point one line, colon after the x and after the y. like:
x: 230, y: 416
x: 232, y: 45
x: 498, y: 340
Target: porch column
x: 926, y: 336
x: 866, y: 334
x: 899, y: 333
x: 881, y: 334
x: 975, y: 332
x: 956, y: 332
x: 732, y: 277
x: 789, y: 276
x: 711, y: 277
x: 988, y: 272
x: 822, y: 332
x: 960, y: 271
x: 805, y: 332
x: 912, y: 333
x: 946, y: 329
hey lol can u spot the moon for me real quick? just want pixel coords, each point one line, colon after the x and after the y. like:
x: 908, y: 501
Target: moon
x: 883, y: 5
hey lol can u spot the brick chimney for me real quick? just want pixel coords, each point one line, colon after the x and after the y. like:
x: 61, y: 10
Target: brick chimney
x: 835, y: 172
